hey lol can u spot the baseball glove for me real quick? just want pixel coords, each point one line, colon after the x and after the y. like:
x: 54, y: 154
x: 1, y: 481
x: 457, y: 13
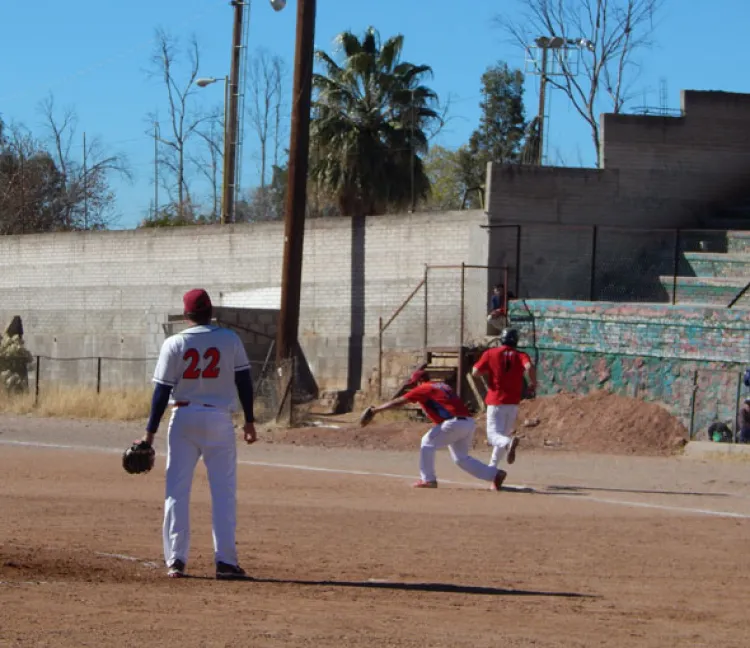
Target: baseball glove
x: 367, y: 416
x: 528, y: 393
x: 138, y: 458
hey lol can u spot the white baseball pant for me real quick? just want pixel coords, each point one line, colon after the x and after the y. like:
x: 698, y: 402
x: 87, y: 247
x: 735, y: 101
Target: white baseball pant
x: 195, y: 432
x: 457, y: 434
x: 500, y: 421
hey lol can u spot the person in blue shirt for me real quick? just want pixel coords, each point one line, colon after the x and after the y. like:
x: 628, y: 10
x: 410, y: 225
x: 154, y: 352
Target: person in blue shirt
x: 498, y: 315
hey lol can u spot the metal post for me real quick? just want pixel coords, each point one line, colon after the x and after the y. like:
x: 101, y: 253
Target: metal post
x: 23, y: 193
x: 676, y: 267
x: 294, y: 220
x: 380, y: 358
x: 424, y: 332
x: 460, y: 368
x: 542, y: 100
x: 225, y: 151
x: 737, y: 399
x: 85, y: 187
x: 692, y: 403
x: 36, y: 379
x: 505, y: 295
x: 156, y: 169
x: 230, y: 145
x: 413, y: 171
x: 592, y: 278
x: 463, y: 300
x: 518, y: 261
x: 98, y: 375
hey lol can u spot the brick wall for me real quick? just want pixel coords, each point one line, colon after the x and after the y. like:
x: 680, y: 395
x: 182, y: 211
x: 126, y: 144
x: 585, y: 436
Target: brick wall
x: 688, y: 358
x: 109, y: 293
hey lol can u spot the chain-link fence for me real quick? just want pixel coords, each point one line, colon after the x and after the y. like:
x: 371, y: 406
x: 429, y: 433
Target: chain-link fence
x: 597, y: 263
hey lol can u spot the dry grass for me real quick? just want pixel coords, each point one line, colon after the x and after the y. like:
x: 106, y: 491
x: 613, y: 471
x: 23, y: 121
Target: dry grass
x: 76, y: 402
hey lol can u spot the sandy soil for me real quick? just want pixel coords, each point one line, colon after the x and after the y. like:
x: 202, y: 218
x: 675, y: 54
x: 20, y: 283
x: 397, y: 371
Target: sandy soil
x: 599, y: 422
x: 593, y: 550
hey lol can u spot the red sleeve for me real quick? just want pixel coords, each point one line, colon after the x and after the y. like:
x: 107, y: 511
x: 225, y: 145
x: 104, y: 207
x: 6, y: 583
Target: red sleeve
x: 483, y: 362
x: 525, y: 360
x: 417, y: 394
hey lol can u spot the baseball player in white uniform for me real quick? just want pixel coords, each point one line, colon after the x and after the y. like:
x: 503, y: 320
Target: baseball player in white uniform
x: 198, y: 373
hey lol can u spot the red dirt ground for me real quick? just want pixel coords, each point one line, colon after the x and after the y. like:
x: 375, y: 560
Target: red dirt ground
x: 617, y: 554
x: 599, y: 422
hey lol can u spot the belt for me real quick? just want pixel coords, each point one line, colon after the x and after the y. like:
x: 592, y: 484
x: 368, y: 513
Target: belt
x: 186, y: 403
x: 461, y: 418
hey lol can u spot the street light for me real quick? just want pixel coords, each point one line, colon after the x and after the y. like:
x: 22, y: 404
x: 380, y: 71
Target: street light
x: 204, y: 82
x: 558, y: 43
x: 231, y: 107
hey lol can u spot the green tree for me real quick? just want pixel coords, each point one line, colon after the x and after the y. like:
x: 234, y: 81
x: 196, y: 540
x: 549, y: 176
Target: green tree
x: 32, y: 192
x: 444, y: 171
x: 372, y: 117
x: 502, y: 125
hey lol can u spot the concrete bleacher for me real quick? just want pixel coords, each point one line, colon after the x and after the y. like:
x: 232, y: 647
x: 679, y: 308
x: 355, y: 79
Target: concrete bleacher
x: 717, y: 277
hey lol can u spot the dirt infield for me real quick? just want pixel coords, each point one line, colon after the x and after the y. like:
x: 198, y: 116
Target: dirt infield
x: 579, y: 551
x: 599, y: 422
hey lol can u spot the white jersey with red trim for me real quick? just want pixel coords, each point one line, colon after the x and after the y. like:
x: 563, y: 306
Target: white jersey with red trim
x: 199, y: 364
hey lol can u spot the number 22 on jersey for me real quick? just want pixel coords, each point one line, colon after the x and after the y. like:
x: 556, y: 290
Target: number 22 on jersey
x: 210, y: 369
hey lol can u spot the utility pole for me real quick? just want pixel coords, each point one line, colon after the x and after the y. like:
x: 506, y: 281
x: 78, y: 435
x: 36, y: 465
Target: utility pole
x: 542, y: 101
x: 294, y: 219
x: 413, y: 170
x: 85, y: 187
x: 156, y: 169
x: 230, y: 158
x: 23, y: 192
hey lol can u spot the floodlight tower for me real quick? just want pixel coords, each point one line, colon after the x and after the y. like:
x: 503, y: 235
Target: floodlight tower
x: 564, y: 62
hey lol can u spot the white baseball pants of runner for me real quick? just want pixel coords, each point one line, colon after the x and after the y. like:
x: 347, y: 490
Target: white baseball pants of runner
x: 195, y: 432
x: 500, y: 421
x: 457, y: 434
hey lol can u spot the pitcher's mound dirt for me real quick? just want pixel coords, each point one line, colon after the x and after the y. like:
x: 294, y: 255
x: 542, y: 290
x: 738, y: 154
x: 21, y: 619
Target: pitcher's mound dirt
x: 599, y: 422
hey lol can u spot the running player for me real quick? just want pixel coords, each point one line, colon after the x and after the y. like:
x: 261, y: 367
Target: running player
x: 453, y: 427
x: 506, y: 369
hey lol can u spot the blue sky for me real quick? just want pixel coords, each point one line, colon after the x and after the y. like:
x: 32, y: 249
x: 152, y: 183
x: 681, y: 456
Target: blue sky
x: 92, y: 56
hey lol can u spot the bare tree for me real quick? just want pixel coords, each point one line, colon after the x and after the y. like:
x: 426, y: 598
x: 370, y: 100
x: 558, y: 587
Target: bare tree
x: 209, y: 161
x: 609, y: 31
x: 87, y: 196
x: 183, y: 120
x: 265, y: 88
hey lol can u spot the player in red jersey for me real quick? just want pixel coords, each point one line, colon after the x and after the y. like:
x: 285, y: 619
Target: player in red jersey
x: 506, y: 369
x: 453, y: 427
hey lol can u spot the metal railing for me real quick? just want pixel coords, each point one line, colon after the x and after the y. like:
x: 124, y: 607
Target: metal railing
x: 462, y: 307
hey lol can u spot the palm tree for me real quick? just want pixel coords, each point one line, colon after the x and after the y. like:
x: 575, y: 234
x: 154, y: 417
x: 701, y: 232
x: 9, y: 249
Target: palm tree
x: 371, y: 122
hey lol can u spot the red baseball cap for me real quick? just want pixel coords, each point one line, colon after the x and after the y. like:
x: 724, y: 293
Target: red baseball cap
x: 196, y: 301
x: 420, y: 375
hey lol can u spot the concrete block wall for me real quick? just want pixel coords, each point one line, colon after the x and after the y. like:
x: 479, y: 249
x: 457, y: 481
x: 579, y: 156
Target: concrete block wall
x: 655, y: 171
x: 560, y: 261
x: 688, y: 358
x: 109, y: 293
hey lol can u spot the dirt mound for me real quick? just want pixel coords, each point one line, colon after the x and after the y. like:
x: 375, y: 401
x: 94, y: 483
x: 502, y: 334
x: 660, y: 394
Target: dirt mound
x: 599, y: 422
